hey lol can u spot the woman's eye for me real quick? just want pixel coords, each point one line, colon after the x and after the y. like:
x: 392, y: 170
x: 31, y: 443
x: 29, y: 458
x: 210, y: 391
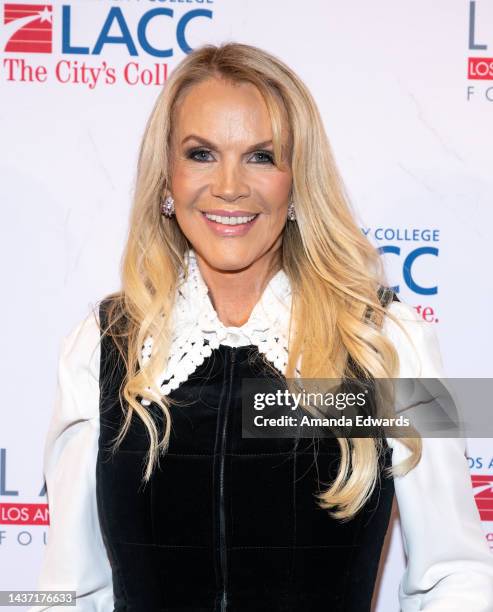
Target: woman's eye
x: 263, y: 157
x: 200, y: 155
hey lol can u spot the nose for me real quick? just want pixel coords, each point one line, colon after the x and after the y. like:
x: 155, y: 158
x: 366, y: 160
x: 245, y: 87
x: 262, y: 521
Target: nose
x: 229, y: 182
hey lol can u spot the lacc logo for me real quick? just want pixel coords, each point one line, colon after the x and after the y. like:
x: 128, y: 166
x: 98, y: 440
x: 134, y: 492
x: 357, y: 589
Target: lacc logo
x: 29, y: 29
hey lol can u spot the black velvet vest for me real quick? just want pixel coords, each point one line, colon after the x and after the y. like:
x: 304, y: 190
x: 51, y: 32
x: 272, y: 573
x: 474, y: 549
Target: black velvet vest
x: 228, y: 524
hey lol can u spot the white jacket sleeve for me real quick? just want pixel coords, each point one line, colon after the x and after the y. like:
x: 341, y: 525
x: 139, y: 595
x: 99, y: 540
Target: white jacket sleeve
x: 75, y: 557
x: 449, y: 565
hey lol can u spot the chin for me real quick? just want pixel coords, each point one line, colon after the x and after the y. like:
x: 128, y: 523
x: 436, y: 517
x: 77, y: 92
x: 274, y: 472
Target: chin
x: 227, y: 257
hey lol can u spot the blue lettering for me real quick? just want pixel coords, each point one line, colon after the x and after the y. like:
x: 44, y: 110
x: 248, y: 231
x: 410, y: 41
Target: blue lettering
x: 182, y: 24
x: 66, y: 45
x: 115, y: 13
x: 408, y: 262
x: 115, y: 18
x: 407, y: 267
x: 142, y: 36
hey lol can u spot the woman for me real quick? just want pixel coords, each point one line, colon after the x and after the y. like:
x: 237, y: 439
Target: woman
x: 243, y: 256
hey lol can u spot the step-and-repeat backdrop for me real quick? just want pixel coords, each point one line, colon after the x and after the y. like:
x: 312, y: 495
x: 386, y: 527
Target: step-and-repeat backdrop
x: 406, y: 92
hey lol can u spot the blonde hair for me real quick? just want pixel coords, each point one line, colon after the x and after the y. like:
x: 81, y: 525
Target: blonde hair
x: 334, y: 271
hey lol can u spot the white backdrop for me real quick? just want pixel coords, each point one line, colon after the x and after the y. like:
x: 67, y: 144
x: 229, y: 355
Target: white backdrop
x: 410, y: 124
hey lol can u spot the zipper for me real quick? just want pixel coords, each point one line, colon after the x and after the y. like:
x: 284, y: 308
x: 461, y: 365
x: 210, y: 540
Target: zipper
x: 223, y: 561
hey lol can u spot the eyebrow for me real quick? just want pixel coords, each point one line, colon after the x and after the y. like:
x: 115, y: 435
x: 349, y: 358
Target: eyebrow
x: 211, y: 145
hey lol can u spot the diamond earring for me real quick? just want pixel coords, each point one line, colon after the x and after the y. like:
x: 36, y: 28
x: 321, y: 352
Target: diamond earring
x: 291, y: 211
x: 168, y: 207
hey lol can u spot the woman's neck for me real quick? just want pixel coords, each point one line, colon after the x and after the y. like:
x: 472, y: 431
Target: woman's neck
x: 234, y: 294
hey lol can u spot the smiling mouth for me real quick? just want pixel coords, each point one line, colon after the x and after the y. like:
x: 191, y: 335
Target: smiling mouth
x: 231, y: 220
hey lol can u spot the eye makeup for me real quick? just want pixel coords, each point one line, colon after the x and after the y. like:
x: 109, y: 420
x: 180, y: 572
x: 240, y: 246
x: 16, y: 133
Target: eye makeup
x: 199, y: 154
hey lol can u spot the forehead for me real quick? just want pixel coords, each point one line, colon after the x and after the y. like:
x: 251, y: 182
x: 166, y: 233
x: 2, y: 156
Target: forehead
x: 219, y: 109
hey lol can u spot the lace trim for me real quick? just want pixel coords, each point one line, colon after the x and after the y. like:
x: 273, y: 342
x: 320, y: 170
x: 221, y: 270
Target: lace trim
x: 199, y: 329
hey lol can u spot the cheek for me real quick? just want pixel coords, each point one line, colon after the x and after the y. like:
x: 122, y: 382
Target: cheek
x: 184, y: 181
x: 275, y: 189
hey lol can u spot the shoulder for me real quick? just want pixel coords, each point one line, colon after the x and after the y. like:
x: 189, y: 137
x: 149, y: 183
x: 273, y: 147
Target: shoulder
x: 415, y: 340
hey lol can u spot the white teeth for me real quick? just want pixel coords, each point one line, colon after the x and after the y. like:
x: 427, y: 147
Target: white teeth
x: 229, y: 220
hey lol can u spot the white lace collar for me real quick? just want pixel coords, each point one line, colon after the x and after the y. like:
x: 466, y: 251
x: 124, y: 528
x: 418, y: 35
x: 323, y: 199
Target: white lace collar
x: 198, y: 329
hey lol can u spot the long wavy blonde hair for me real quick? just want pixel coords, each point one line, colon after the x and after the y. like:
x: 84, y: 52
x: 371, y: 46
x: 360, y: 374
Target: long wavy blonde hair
x: 334, y: 270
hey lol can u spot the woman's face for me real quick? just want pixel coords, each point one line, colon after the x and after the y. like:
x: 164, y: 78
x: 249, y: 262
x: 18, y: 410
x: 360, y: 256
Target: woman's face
x: 222, y: 165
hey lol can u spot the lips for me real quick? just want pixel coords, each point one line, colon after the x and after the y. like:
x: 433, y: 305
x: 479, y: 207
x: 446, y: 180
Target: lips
x: 229, y: 213
x: 229, y: 229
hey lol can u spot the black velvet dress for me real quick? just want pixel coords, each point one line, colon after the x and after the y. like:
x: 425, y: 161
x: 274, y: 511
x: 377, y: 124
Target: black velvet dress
x: 229, y: 524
